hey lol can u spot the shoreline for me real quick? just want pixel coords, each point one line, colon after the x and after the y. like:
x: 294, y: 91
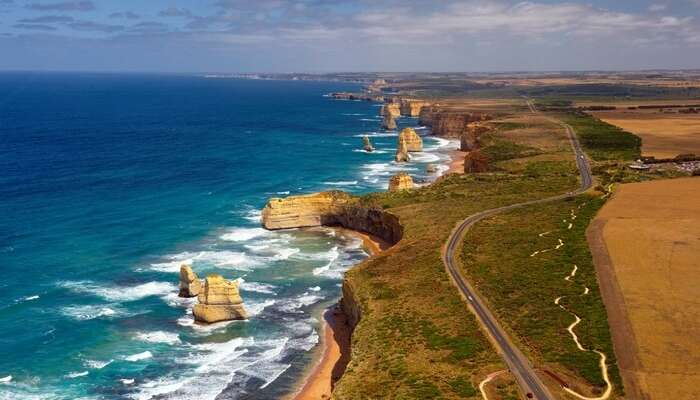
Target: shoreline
x: 335, y: 339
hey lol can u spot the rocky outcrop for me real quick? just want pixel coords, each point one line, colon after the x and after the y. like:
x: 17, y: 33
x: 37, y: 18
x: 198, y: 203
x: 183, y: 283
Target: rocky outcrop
x: 301, y: 211
x: 476, y: 161
x: 388, y: 123
x: 366, y: 144
x: 401, y: 181
x: 447, y: 123
x: 377, y: 85
x: 356, y: 96
x: 402, y: 152
x: 431, y: 168
x: 190, y: 285
x: 350, y: 305
x: 393, y: 109
x: 329, y: 209
x: 471, y: 137
x: 412, y: 108
x: 220, y: 300
x: 413, y: 141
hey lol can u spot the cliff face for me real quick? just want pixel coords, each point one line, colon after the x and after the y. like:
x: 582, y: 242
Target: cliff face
x: 476, y: 161
x: 301, y: 211
x: 220, y: 300
x: 447, y: 123
x: 402, y: 152
x: 412, y: 108
x: 412, y: 139
x: 330, y: 208
x: 190, y: 285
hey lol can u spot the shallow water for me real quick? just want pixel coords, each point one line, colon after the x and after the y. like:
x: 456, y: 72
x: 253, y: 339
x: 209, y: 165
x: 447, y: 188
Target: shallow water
x: 110, y: 182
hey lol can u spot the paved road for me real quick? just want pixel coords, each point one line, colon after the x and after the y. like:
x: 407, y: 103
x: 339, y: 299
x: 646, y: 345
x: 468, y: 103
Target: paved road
x: 518, y: 364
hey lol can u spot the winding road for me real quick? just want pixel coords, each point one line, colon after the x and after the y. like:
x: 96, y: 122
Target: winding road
x: 519, y: 365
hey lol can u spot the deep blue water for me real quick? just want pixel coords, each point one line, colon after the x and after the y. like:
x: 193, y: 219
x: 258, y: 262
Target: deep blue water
x: 109, y: 182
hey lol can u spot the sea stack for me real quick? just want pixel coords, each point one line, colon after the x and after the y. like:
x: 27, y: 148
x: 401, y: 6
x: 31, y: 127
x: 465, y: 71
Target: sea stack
x: 402, y: 152
x: 476, y: 161
x: 389, y: 123
x: 401, y: 181
x: 392, y: 109
x: 367, y: 145
x: 220, y: 300
x: 413, y: 141
x: 190, y: 285
x: 431, y: 168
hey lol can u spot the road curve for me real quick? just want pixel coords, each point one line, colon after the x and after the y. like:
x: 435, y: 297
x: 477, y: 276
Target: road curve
x: 519, y: 365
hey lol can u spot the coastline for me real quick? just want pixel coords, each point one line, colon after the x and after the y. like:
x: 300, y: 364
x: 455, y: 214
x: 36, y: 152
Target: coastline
x: 335, y: 340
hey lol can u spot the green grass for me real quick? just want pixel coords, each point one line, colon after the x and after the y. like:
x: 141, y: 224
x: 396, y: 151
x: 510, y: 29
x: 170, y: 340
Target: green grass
x: 603, y: 141
x: 522, y: 289
x: 501, y: 150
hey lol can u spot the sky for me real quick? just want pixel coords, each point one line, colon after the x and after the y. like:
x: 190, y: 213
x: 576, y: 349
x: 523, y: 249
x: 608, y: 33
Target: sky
x: 232, y: 36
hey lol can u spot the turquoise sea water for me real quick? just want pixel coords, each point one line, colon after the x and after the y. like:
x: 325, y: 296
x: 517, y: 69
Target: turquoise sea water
x: 109, y: 182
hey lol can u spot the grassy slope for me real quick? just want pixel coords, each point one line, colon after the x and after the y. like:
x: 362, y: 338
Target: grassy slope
x: 416, y: 338
x: 522, y: 289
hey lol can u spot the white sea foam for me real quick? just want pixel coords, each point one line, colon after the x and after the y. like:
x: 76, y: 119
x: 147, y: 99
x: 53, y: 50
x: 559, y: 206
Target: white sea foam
x: 256, y: 287
x: 285, y: 192
x: 127, y: 381
x: 223, y: 259
x: 121, y: 293
x: 315, y: 289
x: 256, y: 307
x: 353, y: 114
x: 74, y: 375
x: 379, y: 134
x: 284, y: 254
x: 6, y: 379
x: 158, y: 337
x: 370, y: 119
x: 341, y: 183
x: 96, y: 364
x: 253, y: 215
x: 243, y: 234
x: 87, y: 312
x: 375, y: 151
x: 29, y: 298
x: 139, y: 356
x: 294, y: 304
x: 425, y: 157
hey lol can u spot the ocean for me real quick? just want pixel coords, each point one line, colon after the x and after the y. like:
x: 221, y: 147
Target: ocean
x: 109, y: 182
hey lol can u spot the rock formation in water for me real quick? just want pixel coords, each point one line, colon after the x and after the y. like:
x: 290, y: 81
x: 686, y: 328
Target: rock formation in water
x: 476, y: 161
x: 220, y: 300
x: 431, y: 168
x: 393, y: 109
x: 190, y: 285
x: 388, y: 123
x: 402, y: 152
x: 401, y: 181
x: 413, y: 141
x: 411, y: 108
x: 377, y: 85
x: 366, y: 144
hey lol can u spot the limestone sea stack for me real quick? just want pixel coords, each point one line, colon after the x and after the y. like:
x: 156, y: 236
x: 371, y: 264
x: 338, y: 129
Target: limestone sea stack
x: 413, y: 141
x: 190, y: 285
x: 401, y: 181
x: 431, y: 168
x: 389, y: 123
x: 220, y: 300
x: 402, y: 152
x: 366, y: 144
x: 393, y: 109
x: 476, y: 161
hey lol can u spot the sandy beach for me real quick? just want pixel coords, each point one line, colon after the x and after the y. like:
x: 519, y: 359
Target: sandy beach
x: 335, y: 340
x: 457, y: 163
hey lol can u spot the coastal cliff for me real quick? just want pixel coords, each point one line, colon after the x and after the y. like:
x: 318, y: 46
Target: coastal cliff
x: 448, y: 123
x: 333, y: 208
x: 412, y: 108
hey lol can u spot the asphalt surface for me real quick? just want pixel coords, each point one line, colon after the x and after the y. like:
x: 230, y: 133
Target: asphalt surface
x: 519, y: 365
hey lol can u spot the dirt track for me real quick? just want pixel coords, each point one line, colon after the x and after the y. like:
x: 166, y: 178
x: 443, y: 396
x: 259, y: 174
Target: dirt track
x: 646, y: 246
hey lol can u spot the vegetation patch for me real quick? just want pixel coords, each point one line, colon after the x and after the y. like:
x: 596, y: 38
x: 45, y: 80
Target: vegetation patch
x: 603, y: 141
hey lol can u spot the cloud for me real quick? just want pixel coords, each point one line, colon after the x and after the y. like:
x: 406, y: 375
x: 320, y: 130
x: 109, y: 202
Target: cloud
x: 47, y: 19
x: 95, y: 27
x: 149, y: 27
x: 125, y: 15
x: 63, y: 6
x: 35, y: 27
x: 657, y: 7
x: 175, y: 12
